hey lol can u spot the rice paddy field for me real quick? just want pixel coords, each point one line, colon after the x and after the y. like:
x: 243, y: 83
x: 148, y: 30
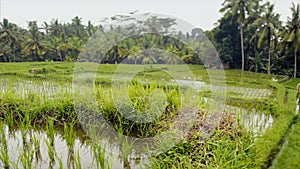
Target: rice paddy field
x: 84, y: 115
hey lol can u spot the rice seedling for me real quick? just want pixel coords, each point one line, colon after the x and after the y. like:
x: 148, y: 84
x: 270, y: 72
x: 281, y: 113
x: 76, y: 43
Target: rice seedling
x: 4, y: 148
x: 36, y: 147
x: 69, y: 136
x: 77, y: 161
x: 9, y: 118
x: 50, y: 141
x: 125, y: 148
x: 50, y: 131
x: 26, y: 158
x: 60, y: 162
x: 99, y: 155
x: 51, y: 153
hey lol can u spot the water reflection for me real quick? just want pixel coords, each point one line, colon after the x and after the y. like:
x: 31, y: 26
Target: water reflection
x: 254, y: 121
x: 33, y: 147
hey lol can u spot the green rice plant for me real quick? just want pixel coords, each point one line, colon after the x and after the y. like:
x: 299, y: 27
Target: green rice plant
x: 71, y: 159
x: 140, y: 106
x: 102, y: 159
x: 4, y: 157
x: 50, y: 131
x: 99, y: 155
x: 69, y: 135
x: 51, y: 152
x: 60, y: 162
x: 50, y: 141
x: 36, y: 147
x: 77, y: 161
x: 26, y: 158
x: 126, y: 147
x: 24, y: 129
x: 9, y: 118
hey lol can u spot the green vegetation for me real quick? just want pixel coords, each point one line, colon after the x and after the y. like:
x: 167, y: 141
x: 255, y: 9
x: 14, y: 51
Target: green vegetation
x: 135, y: 90
x: 255, y: 30
x: 249, y: 35
x: 289, y: 155
x: 230, y: 145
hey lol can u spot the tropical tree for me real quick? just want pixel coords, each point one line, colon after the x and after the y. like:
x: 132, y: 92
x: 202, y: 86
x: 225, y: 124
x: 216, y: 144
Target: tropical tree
x: 56, y: 45
x: 292, y: 34
x: 267, y: 31
x: 134, y: 53
x: 55, y: 28
x: 8, y: 39
x: 91, y: 29
x: 74, y: 46
x: 227, y: 42
x: 239, y: 8
x: 77, y: 28
x: 172, y: 56
x: 34, y: 45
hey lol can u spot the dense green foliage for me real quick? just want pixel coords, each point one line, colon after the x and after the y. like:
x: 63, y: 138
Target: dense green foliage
x: 249, y: 35
x: 270, y: 45
x: 64, y: 42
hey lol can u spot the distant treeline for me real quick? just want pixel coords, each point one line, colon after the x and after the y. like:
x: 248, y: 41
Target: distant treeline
x: 249, y: 35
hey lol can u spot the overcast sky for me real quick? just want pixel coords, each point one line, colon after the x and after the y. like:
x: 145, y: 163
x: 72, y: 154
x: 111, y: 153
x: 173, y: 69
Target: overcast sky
x: 200, y: 13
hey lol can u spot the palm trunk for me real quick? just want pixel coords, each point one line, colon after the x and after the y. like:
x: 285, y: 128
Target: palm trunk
x: 8, y: 58
x: 295, y: 71
x: 36, y: 55
x: 13, y: 54
x: 269, y: 60
x: 242, y: 46
x: 58, y: 53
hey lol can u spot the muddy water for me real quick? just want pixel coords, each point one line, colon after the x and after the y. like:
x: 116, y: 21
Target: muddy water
x: 83, y: 152
x: 254, y: 121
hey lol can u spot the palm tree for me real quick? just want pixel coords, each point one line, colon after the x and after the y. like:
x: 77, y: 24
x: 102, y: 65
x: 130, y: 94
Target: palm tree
x: 239, y: 8
x: 77, y: 28
x: 34, y: 44
x: 172, y: 57
x: 7, y: 38
x: 269, y: 22
x: 90, y: 29
x: 292, y: 35
x: 55, y: 28
x: 56, y: 45
x: 133, y: 53
x: 75, y: 46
